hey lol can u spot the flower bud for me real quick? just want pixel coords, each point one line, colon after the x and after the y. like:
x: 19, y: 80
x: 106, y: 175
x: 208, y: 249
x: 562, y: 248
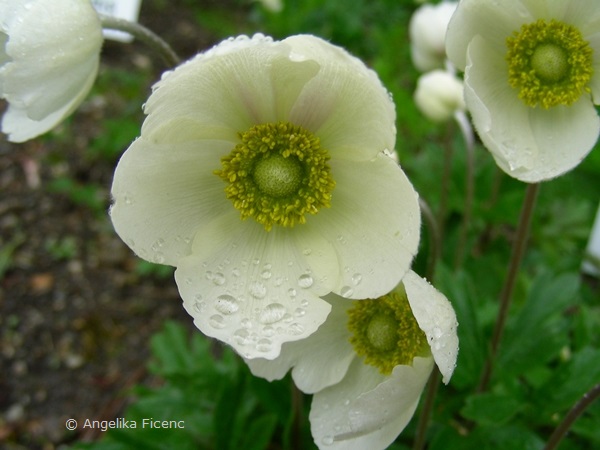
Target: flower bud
x: 439, y: 95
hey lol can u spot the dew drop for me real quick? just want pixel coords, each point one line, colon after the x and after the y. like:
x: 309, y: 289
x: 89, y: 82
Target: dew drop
x: 216, y: 321
x: 327, y: 440
x: 304, y: 303
x: 218, y: 279
x: 235, y: 272
x: 272, y: 313
x: 268, y: 331
x: 356, y: 279
x: 296, y: 329
x: 130, y: 243
x: 346, y: 291
x: 257, y: 289
x: 159, y: 257
x: 264, y: 345
x: 299, y: 312
x: 307, y: 251
x: 188, y: 281
x: 227, y: 304
x: 437, y: 332
x: 158, y: 244
x: 246, y: 323
x: 305, y: 281
x: 266, y: 274
x: 199, y: 307
x: 241, y: 336
x: 292, y: 292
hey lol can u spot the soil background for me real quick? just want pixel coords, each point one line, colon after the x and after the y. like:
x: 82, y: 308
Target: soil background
x: 76, y: 311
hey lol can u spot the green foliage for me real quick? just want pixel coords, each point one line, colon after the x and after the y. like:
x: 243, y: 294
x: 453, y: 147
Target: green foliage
x: 210, y: 392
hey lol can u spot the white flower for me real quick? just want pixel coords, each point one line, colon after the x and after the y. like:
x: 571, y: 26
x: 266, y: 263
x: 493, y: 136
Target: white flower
x: 289, y: 136
x: 272, y: 5
x: 49, y: 56
x: 364, y: 402
x: 439, y: 95
x: 532, y: 76
x: 427, y: 32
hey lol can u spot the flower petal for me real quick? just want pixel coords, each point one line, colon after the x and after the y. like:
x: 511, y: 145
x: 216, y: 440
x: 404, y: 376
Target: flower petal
x: 493, y: 20
x: 162, y: 194
x: 224, y: 92
x: 374, y: 257
x: 345, y: 104
x: 320, y: 360
x: 436, y: 318
x: 255, y: 289
x: 367, y: 410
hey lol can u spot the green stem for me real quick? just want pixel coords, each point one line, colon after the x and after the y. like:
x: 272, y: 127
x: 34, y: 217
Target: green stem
x: 145, y: 35
x: 434, y: 378
x: 588, y: 398
x: 469, y: 138
x: 447, y: 172
x: 509, y: 285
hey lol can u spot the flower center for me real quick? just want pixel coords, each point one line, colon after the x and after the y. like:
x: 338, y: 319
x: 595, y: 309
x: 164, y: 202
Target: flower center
x: 549, y: 63
x: 385, y: 332
x: 277, y: 174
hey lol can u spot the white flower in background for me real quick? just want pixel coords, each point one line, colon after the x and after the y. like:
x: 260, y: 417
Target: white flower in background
x: 367, y: 378
x: 261, y: 175
x: 439, y: 95
x: 427, y: 33
x: 272, y: 5
x: 532, y: 76
x: 49, y: 57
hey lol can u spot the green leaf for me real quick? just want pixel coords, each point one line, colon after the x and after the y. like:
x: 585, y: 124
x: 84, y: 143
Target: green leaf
x: 258, y: 434
x: 491, y: 409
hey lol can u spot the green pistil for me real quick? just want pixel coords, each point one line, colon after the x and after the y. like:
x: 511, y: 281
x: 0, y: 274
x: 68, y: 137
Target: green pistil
x: 277, y: 174
x: 385, y: 332
x: 549, y: 63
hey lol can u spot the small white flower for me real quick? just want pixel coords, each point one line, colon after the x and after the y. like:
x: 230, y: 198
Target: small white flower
x: 439, y: 95
x: 368, y: 376
x: 261, y: 175
x: 272, y: 5
x: 427, y: 32
x: 49, y: 57
x: 532, y: 76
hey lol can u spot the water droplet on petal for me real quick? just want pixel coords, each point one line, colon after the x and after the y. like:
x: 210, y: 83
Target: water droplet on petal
x: 327, y: 440
x: 266, y: 274
x: 272, y: 313
x: 199, y: 307
x: 246, y: 323
x: 299, y: 312
x: 242, y: 336
x: 296, y: 329
x: 264, y: 345
x: 218, y: 279
x: 356, y: 279
x: 305, y: 281
x: 292, y: 292
x: 217, y: 321
x: 346, y: 291
x: 159, y: 258
x: 257, y: 289
x: 227, y: 304
x: 307, y: 251
x: 268, y: 331
x: 235, y: 272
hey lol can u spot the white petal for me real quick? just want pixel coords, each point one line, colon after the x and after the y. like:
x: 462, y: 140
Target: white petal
x: 374, y: 224
x: 254, y: 289
x: 345, y: 104
x: 367, y: 410
x: 162, y: 195
x: 224, y: 94
x: 436, y: 318
x: 530, y: 144
x: 320, y: 360
x: 54, y: 51
x: 493, y: 20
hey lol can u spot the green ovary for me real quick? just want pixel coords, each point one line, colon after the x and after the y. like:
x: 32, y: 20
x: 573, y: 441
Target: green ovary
x: 277, y: 174
x: 549, y: 63
x: 385, y: 332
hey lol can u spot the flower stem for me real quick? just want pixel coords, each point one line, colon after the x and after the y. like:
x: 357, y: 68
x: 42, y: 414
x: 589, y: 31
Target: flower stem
x: 588, y: 398
x: 145, y: 35
x: 435, y: 247
x: 434, y: 378
x: 469, y: 138
x: 513, y: 269
x: 445, y: 183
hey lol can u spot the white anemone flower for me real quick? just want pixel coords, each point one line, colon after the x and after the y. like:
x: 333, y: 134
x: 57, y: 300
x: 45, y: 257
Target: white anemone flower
x: 261, y: 173
x: 367, y: 377
x: 532, y: 76
x: 49, y: 57
x: 427, y: 33
x: 439, y: 95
